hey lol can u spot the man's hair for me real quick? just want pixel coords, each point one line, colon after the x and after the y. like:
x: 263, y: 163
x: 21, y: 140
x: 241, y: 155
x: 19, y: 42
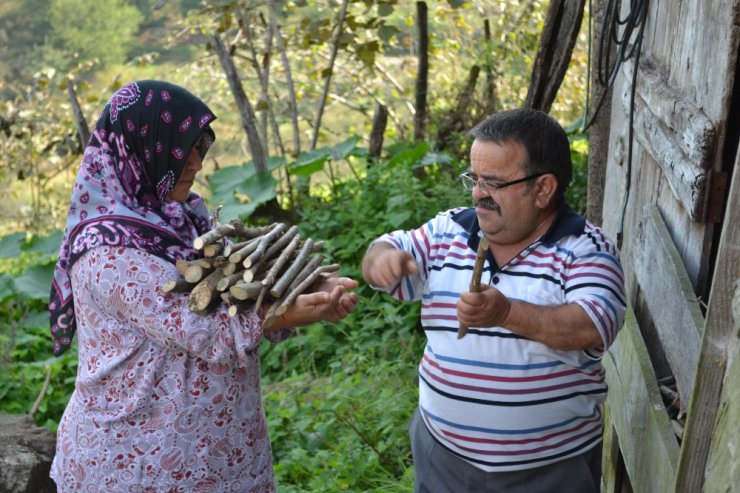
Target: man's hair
x: 544, y: 140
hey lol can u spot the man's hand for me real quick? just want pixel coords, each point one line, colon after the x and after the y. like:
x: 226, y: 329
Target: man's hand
x: 330, y: 301
x: 384, y: 265
x: 486, y: 308
x: 565, y: 327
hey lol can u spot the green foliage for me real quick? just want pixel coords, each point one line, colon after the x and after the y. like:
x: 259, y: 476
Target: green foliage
x: 577, y: 192
x: 338, y: 397
x: 104, y: 30
x: 26, y: 356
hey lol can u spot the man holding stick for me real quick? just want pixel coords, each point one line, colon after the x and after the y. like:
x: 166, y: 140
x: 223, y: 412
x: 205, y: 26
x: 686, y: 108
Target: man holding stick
x: 515, y: 405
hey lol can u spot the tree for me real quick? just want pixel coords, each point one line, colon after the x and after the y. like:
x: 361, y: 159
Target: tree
x: 105, y: 31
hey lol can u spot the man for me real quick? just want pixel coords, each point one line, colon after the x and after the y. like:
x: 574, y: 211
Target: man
x: 517, y: 404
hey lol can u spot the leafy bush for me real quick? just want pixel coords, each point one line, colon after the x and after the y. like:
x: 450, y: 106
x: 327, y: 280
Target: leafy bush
x: 26, y: 355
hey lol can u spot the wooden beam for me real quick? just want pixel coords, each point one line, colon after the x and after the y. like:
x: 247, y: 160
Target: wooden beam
x: 718, y: 333
x: 649, y: 447
x: 670, y: 298
x: 677, y: 134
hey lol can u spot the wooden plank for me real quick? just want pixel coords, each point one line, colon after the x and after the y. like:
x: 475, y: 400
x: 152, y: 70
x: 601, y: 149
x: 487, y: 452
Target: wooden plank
x: 670, y: 298
x: 723, y: 466
x: 676, y: 133
x: 718, y: 333
x: 649, y: 447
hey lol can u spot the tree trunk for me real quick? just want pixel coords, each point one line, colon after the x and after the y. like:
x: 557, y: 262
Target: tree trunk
x: 380, y: 120
x: 423, y: 73
x: 82, y: 128
x: 330, y: 70
x: 242, y: 102
x: 562, y: 22
x: 598, y: 132
x: 489, y: 91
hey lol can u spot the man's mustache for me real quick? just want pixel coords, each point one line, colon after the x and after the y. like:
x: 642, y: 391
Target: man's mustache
x: 489, y: 204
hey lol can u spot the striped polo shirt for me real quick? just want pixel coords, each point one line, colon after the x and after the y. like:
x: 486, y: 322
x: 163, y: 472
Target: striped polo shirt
x: 499, y: 400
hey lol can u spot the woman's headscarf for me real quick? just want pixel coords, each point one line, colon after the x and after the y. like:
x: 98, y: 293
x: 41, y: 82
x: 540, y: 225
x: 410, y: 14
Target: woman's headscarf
x: 136, y: 154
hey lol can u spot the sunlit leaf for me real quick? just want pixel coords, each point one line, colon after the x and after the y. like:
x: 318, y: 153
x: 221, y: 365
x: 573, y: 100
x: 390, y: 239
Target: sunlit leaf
x: 46, y: 245
x: 310, y: 162
x: 345, y: 148
x: 35, y: 283
x: 10, y: 246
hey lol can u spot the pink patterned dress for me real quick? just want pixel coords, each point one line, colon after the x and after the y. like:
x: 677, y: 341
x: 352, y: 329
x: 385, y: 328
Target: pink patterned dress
x: 165, y: 400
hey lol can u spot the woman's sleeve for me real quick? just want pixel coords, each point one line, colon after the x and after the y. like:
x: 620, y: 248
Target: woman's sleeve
x: 125, y: 284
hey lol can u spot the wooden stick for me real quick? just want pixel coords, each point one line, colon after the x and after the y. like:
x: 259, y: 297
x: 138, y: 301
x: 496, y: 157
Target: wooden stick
x: 178, y: 286
x: 480, y: 259
x: 269, y: 279
x: 213, y: 249
x: 246, y: 290
x: 304, y: 285
x: 244, y: 250
x: 301, y: 260
x: 228, y: 281
x: 256, y: 256
x: 213, y: 236
x: 272, y: 313
x: 205, y: 292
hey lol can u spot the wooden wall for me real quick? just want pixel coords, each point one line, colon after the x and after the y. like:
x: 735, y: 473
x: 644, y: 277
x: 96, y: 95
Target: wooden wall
x: 679, y: 249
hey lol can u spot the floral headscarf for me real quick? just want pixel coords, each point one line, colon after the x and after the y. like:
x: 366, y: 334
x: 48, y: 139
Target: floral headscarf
x: 136, y: 154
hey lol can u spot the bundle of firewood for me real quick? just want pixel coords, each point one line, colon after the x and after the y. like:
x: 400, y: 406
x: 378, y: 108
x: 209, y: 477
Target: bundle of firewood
x: 248, y: 267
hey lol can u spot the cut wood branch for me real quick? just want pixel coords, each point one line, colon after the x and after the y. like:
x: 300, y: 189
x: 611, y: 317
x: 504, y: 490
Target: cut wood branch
x: 290, y: 274
x: 205, y: 292
x: 246, y: 290
x: 256, y: 256
x: 480, y: 259
x: 178, y: 286
x: 213, y: 236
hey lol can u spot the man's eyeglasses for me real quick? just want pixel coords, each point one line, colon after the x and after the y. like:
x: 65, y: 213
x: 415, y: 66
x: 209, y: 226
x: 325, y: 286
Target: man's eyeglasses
x: 490, y: 187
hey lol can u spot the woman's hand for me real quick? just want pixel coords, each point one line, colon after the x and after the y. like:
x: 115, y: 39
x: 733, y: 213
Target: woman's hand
x: 329, y: 301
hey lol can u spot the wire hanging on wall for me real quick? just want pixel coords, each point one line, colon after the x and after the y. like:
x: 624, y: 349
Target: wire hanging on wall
x: 619, y: 41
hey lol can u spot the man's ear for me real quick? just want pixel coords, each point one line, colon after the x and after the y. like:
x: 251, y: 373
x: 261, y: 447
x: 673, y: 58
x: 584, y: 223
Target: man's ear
x: 545, y: 189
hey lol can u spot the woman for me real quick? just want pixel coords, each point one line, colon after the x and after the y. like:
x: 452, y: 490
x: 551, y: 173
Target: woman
x: 165, y: 400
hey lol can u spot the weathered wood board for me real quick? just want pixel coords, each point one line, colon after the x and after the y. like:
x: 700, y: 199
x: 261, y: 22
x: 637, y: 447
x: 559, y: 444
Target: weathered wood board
x: 636, y: 411
x: 670, y: 298
x: 716, y: 395
x: 677, y: 134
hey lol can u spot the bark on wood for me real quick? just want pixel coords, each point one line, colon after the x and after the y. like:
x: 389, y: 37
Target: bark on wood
x: 380, y: 120
x: 598, y: 131
x: 195, y: 273
x: 246, y: 290
x: 256, y: 256
x: 559, y: 34
x: 228, y: 281
x: 244, y: 251
x: 213, y: 249
x: 480, y: 259
x: 489, y: 91
x: 213, y: 236
x: 313, y: 276
x: 274, y: 271
x: 295, y: 268
x: 259, y: 158
x: 83, y: 130
x: 329, y: 72
x: 278, y: 257
x: 204, y: 293
x: 292, y: 100
x: 422, y: 73
x: 178, y: 286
